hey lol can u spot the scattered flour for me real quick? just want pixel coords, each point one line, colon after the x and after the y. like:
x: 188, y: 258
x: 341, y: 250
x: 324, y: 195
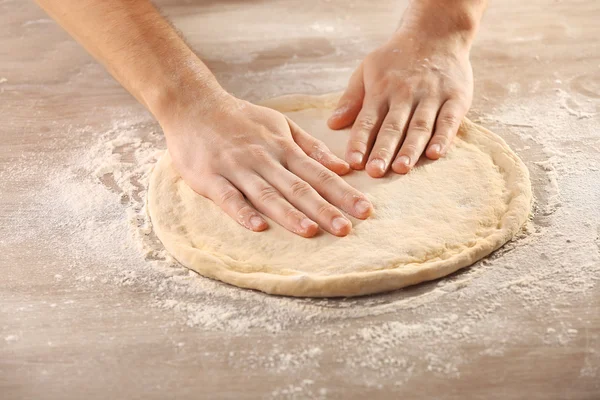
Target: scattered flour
x: 11, y: 338
x: 98, y: 201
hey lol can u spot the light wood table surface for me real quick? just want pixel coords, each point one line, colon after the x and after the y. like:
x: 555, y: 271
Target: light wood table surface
x: 63, y: 337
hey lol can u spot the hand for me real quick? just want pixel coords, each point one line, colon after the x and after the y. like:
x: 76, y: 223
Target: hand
x: 248, y: 158
x: 406, y: 96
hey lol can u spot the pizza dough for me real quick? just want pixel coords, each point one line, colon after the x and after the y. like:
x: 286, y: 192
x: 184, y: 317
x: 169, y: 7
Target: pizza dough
x: 442, y: 216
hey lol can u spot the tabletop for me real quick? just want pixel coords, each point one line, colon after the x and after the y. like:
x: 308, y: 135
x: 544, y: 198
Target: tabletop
x: 92, y: 306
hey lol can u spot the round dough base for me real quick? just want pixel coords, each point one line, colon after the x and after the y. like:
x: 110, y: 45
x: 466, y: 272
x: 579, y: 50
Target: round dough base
x: 441, y: 217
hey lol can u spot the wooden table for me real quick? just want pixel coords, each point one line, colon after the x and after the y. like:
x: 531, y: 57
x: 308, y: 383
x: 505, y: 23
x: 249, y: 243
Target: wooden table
x: 79, y: 320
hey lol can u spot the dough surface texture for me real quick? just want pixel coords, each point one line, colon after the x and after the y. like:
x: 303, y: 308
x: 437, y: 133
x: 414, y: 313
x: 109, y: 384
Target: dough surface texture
x: 441, y: 217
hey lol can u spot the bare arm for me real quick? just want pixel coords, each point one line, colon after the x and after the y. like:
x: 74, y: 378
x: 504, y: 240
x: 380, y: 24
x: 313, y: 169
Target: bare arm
x: 407, y: 97
x: 136, y: 45
x: 250, y: 160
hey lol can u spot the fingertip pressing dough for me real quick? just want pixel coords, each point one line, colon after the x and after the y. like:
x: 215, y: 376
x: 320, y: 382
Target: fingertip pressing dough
x: 442, y: 216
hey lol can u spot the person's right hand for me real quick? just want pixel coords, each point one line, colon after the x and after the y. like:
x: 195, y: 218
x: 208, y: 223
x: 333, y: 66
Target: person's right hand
x: 250, y: 160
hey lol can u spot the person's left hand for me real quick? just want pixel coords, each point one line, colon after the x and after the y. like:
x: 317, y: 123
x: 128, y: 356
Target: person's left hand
x: 406, y: 98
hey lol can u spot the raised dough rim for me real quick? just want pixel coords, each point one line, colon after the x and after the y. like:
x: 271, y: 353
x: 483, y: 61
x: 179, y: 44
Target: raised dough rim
x: 362, y: 283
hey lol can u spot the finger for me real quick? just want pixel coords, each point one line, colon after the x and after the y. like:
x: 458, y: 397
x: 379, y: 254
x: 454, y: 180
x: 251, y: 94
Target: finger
x: 302, y: 195
x: 270, y: 202
x: 417, y: 136
x: 364, y: 130
x: 388, y: 140
x: 231, y: 200
x: 317, y: 150
x: 350, y: 103
x: 330, y: 186
x: 446, y: 127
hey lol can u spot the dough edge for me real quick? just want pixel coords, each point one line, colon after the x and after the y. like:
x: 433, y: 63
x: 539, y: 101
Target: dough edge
x: 362, y: 283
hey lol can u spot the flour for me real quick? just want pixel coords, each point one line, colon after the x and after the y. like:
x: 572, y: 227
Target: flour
x: 97, y: 200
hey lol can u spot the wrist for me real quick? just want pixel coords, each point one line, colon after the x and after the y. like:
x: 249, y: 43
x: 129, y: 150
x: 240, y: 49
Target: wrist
x: 449, y: 20
x: 190, y: 84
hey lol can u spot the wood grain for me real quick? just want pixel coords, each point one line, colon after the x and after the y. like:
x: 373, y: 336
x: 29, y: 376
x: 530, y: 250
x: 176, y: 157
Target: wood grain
x: 105, y: 342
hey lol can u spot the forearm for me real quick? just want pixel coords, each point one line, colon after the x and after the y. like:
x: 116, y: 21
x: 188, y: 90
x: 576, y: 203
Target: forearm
x: 444, y: 18
x: 136, y: 45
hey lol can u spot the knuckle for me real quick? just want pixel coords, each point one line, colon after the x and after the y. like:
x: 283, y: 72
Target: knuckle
x: 392, y: 128
x: 258, y: 153
x: 324, y: 209
x: 383, y: 153
x: 228, y: 195
x: 366, y: 123
x: 267, y: 194
x: 449, y: 119
x: 317, y: 144
x: 357, y: 144
x: 319, y: 152
x: 406, y: 91
x: 291, y: 213
x: 421, y: 125
x: 318, y: 148
x: 397, y: 79
x: 460, y: 98
x: 300, y: 188
x: 230, y: 158
x: 404, y: 82
x: 325, y: 177
x: 409, y: 149
x: 383, y: 83
x: 291, y: 150
x: 285, y: 143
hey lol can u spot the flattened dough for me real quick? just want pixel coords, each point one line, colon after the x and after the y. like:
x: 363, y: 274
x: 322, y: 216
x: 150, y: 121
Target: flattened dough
x: 443, y: 216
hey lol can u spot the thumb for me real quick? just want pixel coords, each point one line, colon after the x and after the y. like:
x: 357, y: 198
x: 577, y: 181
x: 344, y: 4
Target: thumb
x: 350, y: 103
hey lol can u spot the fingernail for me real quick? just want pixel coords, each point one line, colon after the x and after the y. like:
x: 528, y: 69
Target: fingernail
x: 378, y: 164
x: 339, y: 223
x: 404, y: 160
x: 362, y: 206
x: 340, y: 109
x: 256, y: 222
x: 336, y: 113
x: 306, y: 224
x: 355, y: 157
x: 436, y: 148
